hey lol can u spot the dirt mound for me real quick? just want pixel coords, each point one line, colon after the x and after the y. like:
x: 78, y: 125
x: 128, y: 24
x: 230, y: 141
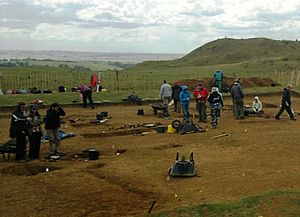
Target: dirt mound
x: 247, y: 82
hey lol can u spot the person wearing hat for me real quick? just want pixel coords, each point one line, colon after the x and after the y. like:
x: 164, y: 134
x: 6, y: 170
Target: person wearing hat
x: 286, y: 103
x: 19, y: 129
x: 256, y: 106
x: 52, y: 125
x: 35, y: 132
x: 238, y: 100
x: 201, y: 93
x: 215, y: 101
x: 185, y: 97
x: 176, y: 89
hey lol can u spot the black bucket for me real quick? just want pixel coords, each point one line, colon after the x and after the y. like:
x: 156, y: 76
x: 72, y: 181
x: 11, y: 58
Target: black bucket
x: 93, y: 154
x: 161, y: 129
x: 140, y: 112
x: 99, y: 117
x: 104, y: 114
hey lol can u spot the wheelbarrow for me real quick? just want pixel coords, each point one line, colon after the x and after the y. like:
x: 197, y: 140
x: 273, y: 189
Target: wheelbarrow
x: 183, y: 167
x: 8, y: 148
x: 159, y: 107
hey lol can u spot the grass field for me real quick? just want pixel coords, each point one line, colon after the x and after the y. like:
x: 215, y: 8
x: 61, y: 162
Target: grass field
x: 113, y: 96
x: 247, y: 207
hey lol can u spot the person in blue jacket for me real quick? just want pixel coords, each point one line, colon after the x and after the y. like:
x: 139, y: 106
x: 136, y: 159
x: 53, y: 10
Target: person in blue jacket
x: 184, y: 98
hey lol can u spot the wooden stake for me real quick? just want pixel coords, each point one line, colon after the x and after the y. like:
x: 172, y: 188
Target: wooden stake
x: 219, y: 136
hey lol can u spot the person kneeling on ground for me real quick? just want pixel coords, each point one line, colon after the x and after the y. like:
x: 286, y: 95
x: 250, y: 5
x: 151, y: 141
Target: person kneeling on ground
x: 256, y: 107
x: 52, y: 125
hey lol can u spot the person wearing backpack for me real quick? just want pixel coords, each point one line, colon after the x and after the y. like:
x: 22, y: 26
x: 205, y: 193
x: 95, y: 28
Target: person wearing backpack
x: 218, y: 79
x: 215, y: 103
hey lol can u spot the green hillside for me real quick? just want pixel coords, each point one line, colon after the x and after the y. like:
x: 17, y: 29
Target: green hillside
x: 244, y: 56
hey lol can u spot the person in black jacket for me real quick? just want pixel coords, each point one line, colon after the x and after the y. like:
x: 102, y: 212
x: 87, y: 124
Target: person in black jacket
x: 286, y: 103
x: 52, y: 124
x: 19, y: 129
x: 238, y: 100
x: 176, y: 89
x: 215, y: 101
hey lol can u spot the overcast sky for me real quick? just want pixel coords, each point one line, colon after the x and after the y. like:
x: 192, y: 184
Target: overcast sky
x: 151, y: 26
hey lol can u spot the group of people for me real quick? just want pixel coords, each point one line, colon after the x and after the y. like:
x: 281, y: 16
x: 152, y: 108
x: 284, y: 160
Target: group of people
x: 27, y: 124
x: 182, y: 96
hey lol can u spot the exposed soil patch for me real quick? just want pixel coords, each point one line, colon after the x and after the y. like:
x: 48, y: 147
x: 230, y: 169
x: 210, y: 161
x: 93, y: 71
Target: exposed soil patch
x: 116, y: 133
x: 28, y: 169
x: 4, y: 116
x: 247, y: 82
x: 80, y: 125
x: 269, y: 105
x: 162, y: 147
x: 120, y: 151
x: 96, y: 166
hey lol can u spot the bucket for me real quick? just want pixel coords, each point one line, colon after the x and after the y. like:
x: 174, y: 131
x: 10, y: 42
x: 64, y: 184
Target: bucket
x: 171, y: 129
x: 104, y: 114
x: 160, y: 129
x: 99, y: 116
x: 140, y: 112
x: 93, y: 154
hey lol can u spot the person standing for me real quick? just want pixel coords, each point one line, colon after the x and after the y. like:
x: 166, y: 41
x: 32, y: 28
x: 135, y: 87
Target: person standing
x: 52, y: 125
x: 19, y: 130
x: 201, y: 93
x: 185, y: 97
x: 176, y: 89
x: 35, y: 133
x: 86, y: 92
x: 218, y: 79
x: 166, y: 96
x: 286, y: 103
x: 238, y: 100
x: 215, y: 101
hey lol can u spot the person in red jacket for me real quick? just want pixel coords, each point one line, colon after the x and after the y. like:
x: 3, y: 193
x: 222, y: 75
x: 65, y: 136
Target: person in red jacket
x: 201, y: 93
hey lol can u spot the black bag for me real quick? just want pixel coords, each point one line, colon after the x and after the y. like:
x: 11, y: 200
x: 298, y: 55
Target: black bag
x: 186, y: 126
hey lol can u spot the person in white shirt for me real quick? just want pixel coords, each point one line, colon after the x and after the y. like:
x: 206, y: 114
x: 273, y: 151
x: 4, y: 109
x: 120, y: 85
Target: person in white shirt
x: 257, y: 106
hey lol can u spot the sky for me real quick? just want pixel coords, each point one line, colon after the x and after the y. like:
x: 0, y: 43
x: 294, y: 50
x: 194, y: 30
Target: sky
x: 141, y: 26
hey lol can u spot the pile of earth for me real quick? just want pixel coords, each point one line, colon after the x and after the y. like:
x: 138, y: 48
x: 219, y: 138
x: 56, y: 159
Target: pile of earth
x: 246, y: 82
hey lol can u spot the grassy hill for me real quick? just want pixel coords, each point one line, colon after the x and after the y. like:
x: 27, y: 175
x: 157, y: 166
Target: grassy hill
x: 253, y: 56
